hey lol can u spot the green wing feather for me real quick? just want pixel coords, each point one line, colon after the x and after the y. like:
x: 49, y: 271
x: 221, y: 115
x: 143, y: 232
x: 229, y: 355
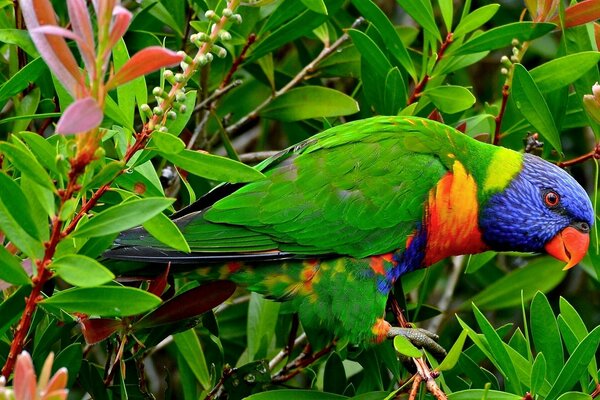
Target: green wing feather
x: 356, y: 189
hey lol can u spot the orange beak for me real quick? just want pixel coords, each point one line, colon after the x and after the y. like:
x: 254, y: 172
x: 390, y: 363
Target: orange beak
x: 569, y: 245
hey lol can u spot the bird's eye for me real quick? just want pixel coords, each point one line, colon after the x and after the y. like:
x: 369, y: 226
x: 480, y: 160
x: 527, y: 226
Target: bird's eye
x: 551, y: 198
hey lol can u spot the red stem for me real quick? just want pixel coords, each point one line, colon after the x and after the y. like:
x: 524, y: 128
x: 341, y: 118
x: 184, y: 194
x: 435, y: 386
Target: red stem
x: 78, y: 166
x: 592, y: 154
x: 505, y: 93
x: 238, y: 60
x: 420, y: 87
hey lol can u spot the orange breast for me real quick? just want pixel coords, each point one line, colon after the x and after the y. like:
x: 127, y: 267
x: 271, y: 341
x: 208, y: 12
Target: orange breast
x: 451, y: 217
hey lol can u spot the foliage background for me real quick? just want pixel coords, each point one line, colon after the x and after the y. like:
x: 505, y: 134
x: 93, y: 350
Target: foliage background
x: 290, y: 71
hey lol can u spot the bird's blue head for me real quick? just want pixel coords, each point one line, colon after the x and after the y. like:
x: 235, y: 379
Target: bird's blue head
x: 542, y: 209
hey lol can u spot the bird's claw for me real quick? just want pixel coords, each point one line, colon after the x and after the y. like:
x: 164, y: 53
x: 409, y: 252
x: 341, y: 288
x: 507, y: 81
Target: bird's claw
x: 420, y: 338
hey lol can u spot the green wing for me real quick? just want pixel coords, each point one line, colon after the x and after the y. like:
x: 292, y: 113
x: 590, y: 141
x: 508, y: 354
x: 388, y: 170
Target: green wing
x: 357, y: 189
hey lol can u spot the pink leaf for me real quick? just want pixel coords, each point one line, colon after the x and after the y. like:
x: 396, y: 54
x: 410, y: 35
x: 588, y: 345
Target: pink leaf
x: 56, y: 384
x: 81, y: 116
x: 82, y: 26
x: 24, y: 381
x: 121, y: 20
x: 143, y: 62
x: 53, y: 48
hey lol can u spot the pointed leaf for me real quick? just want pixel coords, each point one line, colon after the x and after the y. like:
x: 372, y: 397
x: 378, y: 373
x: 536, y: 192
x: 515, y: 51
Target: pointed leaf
x: 562, y: 71
x: 394, y: 97
x: 454, y: 354
x: 386, y: 29
x: 165, y: 230
x: 22, y: 78
x: 189, y: 347
x: 533, y: 106
x: 80, y: 116
x: 27, y: 164
x: 546, y: 337
x: 144, y: 62
x: 475, y: 19
x: 502, y: 36
x: 97, y: 329
x: 214, y: 167
x: 106, y: 301
x: 406, y: 348
x: 499, y: 351
x: 538, y: 373
x: 580, y: 13
x: 11, y: 270
x: 317, y: 6
x: 188, y: 304
x: 310, y: 102
x: 422, y: 12
x: 478, y: 394
x: 166, y: 142
x: 506, y: 292
x: 576, y: 364
x: 121, y: 217
x: 81, y: 271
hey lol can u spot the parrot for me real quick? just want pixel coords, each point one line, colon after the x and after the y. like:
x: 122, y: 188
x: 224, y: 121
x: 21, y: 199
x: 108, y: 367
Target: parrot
x: 339, y: 217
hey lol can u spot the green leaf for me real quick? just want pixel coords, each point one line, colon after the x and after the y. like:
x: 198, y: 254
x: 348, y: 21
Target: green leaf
x: 394, y: 97
x: 17, y: 205
x: 506, y: 292
x: 450, y: 99
x: 163, y: 14
x: 475, y: 19
x: 447, y: 10
x: 27, y: 164
x: 12, y: 227
x: 422, y: 12
x: 576, y: 364
x: 502, y: 36
x: 479, y: 394
x: 533, y: 106
x: 189, y: 347
x: 563, y: 71
x: 405, y: 347
x: 296, y: 394
x: 262, y: 317
x: 166, y: 142
x: 122, y: 216
x: 499, y: 352
x: 317, y: 6
x: 20, y: 38
x: 477, y: 261
x: 538, y: 373
x: 575, y: 396
x: 176, y: 126
x: 106, y: 301
x: 310, y: 102
x: 546, y: 337
x: 165, y: 230
x: 386, y: 29
x: 454, y: 354
x: 334, y: 375
x: 125, y: 92
x: 374, y: 68
x: 214, y: 167
x: 41, y: 149
x: 12, y: 307
x: 22, y: 79
x: 11, y: 270
x: 81, y: 271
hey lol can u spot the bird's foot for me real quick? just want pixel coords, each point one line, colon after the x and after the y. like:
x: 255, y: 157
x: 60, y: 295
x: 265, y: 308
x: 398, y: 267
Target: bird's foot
x: 420, y: 338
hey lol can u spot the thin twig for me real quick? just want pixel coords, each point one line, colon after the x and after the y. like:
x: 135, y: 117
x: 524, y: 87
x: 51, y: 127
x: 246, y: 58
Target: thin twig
x: 238, y: 61
x: 286, y: 351
x: 306, y: 71
x: 498, y: 119
x: 595, y: 154
x: 258, y: 156
x: 420, y: 87
x: 444, y: 302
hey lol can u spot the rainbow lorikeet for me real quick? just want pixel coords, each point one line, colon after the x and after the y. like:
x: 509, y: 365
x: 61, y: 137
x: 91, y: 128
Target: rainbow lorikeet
x: 342, y: 215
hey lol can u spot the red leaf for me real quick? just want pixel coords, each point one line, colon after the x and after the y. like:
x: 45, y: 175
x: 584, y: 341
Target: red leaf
x: 143, y: 62
x: 580, y: 13
x: 25, y: 385
x: 81, y: 116
x: 189, y: 304
x: 97, y: 329
x: 157, y: 285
